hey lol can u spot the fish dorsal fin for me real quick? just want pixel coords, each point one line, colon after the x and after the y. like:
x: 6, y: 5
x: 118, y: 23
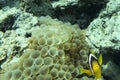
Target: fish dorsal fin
x: 100, y: 59
x: 92, y: 51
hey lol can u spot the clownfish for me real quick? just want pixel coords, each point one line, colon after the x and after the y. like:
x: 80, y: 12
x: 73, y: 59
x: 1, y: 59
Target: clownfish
x: 94, y: 66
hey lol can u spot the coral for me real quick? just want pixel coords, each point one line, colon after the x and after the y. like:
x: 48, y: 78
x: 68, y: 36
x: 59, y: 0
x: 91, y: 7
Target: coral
x: 84, y: 56
x: 62, y: 3
x: 8, y: 17
x: 110, y: 70
x: 37, y: 7
x: 101, y: 31
x: 53, y: 53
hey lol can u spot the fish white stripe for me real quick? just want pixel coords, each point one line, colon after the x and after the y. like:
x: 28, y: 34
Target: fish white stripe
x: 90, y: 64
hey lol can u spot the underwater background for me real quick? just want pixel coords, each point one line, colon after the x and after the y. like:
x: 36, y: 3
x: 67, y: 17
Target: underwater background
x: 53, y: 39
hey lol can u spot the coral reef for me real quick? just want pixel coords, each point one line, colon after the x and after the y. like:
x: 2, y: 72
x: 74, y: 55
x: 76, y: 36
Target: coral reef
x: 64, y: 3
x: 37, y: 7
x: 8, y: 17
x: 13, y: 38
x: 33, y: 46
x: 111, y: 71
x: 73, y: 11
x: 103, y: 31
x: 10, y: 3
x: 54, y: 53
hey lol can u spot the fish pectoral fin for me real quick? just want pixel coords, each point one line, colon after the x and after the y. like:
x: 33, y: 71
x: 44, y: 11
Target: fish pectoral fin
x: 100, y: 59
x: 85, y: 71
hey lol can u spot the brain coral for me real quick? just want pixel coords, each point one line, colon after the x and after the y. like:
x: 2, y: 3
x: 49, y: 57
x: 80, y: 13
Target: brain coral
x: 55, y: 51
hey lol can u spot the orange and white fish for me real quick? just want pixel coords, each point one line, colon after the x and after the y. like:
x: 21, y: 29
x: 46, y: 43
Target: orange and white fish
x: 94, y: 66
